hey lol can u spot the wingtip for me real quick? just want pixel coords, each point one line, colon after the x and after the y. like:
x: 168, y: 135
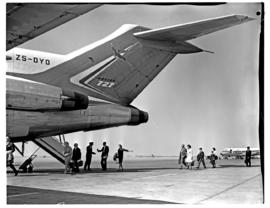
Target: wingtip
x: 244, y: 18
x: 250, y: 18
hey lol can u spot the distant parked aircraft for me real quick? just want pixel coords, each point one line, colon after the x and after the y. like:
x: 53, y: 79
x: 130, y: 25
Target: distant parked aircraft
x: 238, y: 153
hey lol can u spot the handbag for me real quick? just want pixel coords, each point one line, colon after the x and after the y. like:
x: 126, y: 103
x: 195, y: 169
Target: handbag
x: 80, y: 163
x: 115, y: 156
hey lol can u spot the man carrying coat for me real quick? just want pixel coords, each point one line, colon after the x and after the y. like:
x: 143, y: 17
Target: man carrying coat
x: 104, y: 155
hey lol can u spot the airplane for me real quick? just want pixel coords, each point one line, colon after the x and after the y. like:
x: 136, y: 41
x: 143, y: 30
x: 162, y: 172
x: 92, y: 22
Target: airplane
x: 91, y: 88
x: 239, y: 153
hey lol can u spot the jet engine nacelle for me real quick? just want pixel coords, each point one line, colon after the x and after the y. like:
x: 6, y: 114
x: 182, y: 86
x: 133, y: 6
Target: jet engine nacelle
x: 138, y: 117
x: 34, y: 96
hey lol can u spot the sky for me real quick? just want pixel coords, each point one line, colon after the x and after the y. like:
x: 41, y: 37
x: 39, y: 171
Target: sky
x: 204, y: 99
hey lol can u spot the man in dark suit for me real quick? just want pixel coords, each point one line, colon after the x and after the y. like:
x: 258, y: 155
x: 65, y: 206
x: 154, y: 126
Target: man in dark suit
x: 248, y: 157
x: 104, y: 155
x: 89, y: 153
x: 76, y: 156
x: 200, y: 158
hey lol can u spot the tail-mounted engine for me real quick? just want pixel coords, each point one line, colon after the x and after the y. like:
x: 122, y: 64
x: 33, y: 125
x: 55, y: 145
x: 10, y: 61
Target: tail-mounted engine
x: 33, y: 96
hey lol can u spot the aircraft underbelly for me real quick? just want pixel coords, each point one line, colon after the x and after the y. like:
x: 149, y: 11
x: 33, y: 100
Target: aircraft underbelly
x: 16, y: 125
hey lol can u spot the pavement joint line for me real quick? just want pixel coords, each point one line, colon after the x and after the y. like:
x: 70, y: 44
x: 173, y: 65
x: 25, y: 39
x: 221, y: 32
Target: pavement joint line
x: 229, y: 188
x: 22, y: 194
x: 154, y: 176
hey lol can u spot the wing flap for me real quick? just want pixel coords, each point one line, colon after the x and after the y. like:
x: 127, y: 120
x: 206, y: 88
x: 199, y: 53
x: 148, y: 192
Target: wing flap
x: 190, y: 31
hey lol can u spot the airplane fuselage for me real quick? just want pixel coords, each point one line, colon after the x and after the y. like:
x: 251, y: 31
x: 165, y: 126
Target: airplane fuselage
x: 40, y: 108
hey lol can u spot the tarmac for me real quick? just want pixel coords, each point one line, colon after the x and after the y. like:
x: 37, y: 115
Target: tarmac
x: 144, y: 181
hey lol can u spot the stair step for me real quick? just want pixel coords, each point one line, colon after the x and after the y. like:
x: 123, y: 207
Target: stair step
x: 52, y: 146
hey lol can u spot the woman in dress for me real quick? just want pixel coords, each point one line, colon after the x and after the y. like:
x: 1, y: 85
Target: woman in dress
x: 182, y: 157
x: 189, y: 158
x: 67, y: 155
x: 120, y: 153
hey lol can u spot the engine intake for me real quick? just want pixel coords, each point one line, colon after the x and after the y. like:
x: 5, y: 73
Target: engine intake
x: 74, y: 101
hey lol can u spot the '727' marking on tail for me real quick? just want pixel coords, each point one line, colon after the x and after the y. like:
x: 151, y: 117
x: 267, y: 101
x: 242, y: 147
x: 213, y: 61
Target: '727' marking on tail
x: 105, y: 84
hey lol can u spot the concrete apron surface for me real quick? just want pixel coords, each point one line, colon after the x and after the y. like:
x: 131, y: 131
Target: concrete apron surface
x: 203, y: 186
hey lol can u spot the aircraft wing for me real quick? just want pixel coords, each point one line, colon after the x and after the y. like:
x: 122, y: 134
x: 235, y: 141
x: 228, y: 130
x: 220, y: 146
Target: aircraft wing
x: 27, y: 21
x: 193, y: 30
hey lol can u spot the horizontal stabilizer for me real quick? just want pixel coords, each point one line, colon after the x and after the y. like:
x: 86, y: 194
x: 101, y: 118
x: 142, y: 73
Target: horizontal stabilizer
x: 190, y: 31
x: 170, y: 46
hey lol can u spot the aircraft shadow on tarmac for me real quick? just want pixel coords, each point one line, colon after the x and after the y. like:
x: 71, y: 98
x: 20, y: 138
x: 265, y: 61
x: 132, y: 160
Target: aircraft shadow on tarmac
x: 45, y: 196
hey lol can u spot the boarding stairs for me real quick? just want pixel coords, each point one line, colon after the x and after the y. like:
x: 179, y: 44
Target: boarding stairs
x: 52, y: 145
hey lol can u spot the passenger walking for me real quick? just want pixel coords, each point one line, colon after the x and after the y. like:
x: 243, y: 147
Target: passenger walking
x: 120, y: 152
x: 189, y: 159
x: 182, y: 156
x: 215, y: 152
x: 10, y: 148
x: 104, y: 156
x: 248, y: 157
x: 200, y: 158
x: 89, y: 153
x: 67, y: 155
x: 76, y: 156
x: 213, y: 157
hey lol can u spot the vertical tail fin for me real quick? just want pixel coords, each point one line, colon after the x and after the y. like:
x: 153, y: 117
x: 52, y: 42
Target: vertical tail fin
x: 125, y: 74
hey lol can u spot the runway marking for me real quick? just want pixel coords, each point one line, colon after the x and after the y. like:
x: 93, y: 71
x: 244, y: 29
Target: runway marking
x: 22, y: 194
x: 229, y: 188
